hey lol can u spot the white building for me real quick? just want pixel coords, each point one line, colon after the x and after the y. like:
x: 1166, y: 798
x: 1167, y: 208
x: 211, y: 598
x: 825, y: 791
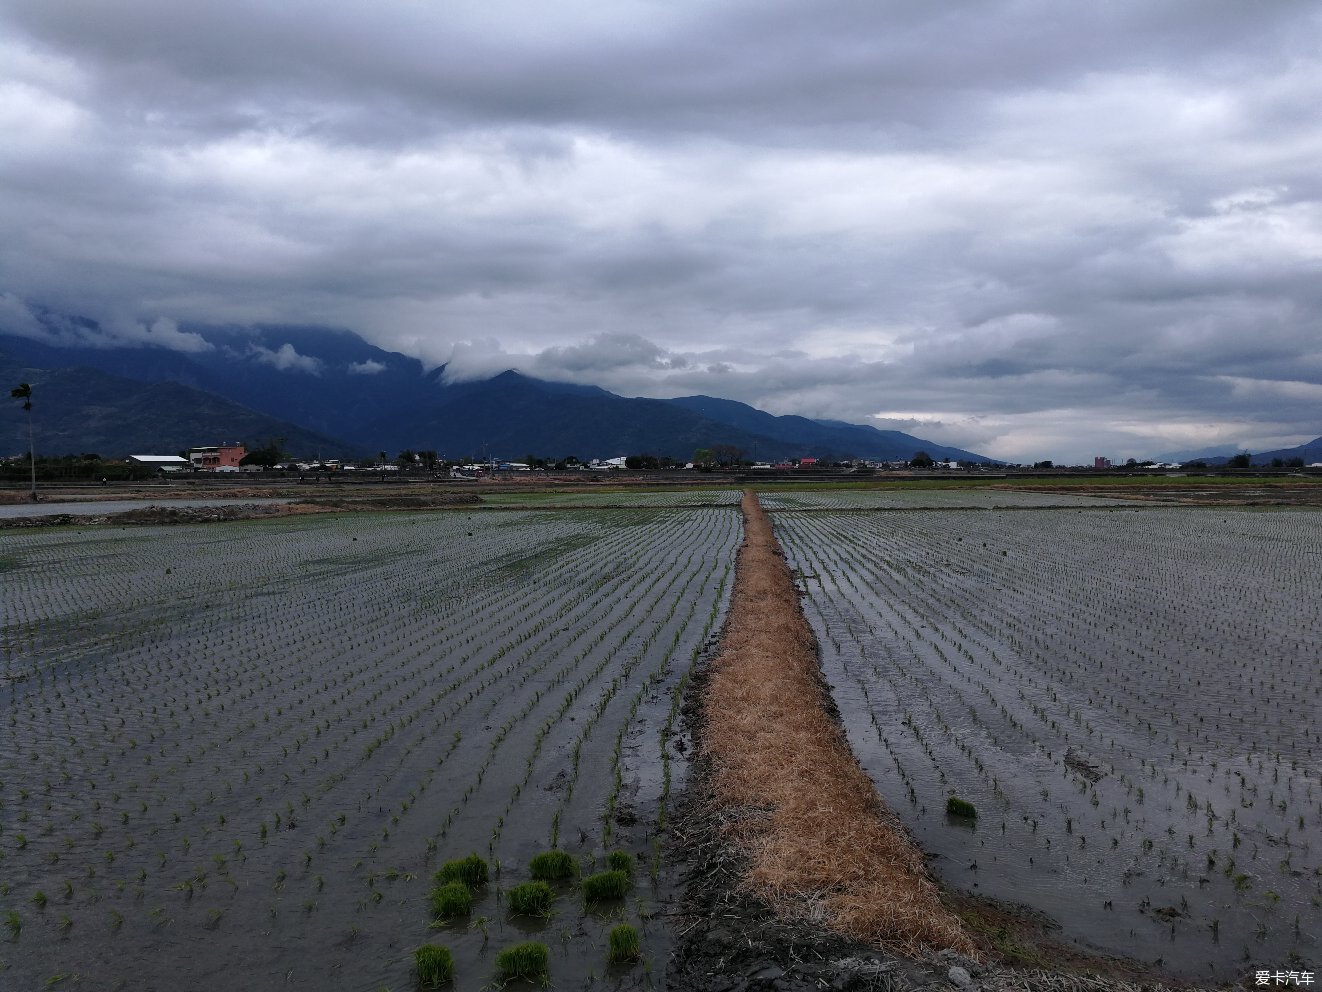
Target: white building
x: 165, y: 463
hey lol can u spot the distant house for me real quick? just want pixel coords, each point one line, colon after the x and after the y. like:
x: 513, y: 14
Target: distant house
x: 163, y: 463
x: 217, y: 457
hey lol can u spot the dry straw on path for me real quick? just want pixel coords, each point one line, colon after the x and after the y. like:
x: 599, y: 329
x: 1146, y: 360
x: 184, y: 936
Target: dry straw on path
x: 817, y: 836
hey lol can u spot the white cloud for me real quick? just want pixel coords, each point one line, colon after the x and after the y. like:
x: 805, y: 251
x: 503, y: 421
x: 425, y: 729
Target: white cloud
x: 160, y: 333
x: 17, y: 318
x: 369, y: 367
x: 285, y: 358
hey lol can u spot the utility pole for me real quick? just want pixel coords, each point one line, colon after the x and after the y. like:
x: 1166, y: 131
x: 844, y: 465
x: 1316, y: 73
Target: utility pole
x: 24, y: 393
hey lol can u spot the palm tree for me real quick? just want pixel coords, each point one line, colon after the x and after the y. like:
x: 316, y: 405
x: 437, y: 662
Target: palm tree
x: 24, y: 392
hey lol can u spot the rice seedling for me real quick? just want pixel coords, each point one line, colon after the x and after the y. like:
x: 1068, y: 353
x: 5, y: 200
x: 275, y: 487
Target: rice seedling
x: 531, y: 899
x: 625, y: 944
x: 451, y: 900
x: 553, y: 866
x: 620, y: 861
x: 604, y: 885
x: 529, y: 961
x: 472, y: 871
x: 433, y: 964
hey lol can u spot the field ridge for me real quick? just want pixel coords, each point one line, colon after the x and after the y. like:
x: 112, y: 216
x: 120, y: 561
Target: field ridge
x: 819, y: 840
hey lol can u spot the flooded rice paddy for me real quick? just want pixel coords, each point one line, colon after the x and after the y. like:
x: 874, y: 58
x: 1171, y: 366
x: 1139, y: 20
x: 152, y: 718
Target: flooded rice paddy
x: 1129, y: 699
x: 235, y: 754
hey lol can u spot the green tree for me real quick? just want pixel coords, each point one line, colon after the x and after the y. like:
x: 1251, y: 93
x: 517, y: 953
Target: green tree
x: 921, y: 459
x: 727, y: 454
x: 1241, y: 460
x: 267, y: 457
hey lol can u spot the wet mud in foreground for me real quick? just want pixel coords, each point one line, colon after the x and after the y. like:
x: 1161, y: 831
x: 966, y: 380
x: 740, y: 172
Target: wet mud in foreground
x: 797, y: 877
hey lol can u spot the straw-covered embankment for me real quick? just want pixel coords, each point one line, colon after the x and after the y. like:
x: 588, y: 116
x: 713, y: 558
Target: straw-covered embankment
x: 797, y: 877
x: 819, y: 842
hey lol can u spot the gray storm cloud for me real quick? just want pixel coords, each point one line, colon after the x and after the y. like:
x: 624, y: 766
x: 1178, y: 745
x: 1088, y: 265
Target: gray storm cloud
x: 1028, y: 228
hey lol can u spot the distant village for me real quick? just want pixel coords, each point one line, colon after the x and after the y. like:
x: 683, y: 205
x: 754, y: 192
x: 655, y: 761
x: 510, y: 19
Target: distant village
x: 235, y: 457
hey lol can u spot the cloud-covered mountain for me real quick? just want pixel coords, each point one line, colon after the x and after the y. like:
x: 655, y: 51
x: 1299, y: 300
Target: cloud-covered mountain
x: 78, y: 410
x: 334, y: 384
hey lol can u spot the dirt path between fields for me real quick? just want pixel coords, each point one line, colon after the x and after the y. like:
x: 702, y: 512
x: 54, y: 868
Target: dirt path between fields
x: 820, y: 842
x: 796, y: 875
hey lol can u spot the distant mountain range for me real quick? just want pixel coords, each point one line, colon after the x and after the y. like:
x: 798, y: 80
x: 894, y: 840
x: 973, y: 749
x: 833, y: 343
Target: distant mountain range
x: 1203, y: 454
x: 329, y: 392
x: 1309, y: 451
x: 81, y: 410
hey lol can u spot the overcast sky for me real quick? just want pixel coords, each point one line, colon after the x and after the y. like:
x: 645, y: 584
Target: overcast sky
x: 1035, y: 229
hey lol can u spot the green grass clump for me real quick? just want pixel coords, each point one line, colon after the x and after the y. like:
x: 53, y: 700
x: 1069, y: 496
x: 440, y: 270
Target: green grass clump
x: 531, y: 899
x: 527, y: 960
x: 472, y: 871
x: 625, y: 944
x: 605, y: 885
x: 960, y: 807
x: 451, y: 900
x: 435, y: 965
x: 620, y: 861
x: 552, y: 865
